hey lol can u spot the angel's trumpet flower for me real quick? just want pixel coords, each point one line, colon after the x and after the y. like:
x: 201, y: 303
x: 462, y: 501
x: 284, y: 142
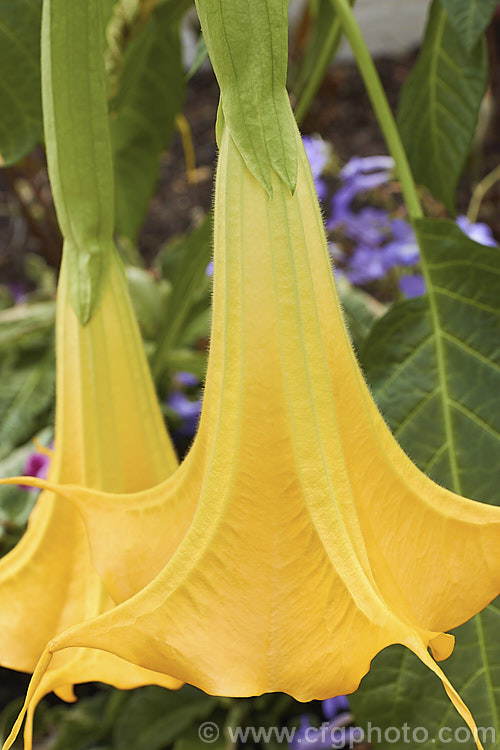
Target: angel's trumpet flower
x: 110, y: 435
x: 316, y: 542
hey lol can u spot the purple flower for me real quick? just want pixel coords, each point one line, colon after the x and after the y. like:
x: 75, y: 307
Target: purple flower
x: 366, y: 264
x: 37, y: 465
x: 334, y: 706
x: 186, y: 379
x: 210, y: 269
x: 300, y: 735
x: 18, y: 292
x: 359, y: 165
x: 479, y: 232
x: 403, y: 250
x: 370, y: 227
x: 341, y: 213
x: 358, y: 176
x: 330, y: 734
x: 318, y: 154
x: 187, y: 410
x: 412, y: 285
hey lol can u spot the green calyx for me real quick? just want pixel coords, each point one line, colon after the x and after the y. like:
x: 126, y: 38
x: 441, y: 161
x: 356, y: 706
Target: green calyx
x: 78, y: 142
x: 248, y: 47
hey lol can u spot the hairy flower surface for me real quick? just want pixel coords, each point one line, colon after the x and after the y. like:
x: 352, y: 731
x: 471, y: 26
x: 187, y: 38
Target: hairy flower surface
x: 315, y: 541
x: 109, y: 436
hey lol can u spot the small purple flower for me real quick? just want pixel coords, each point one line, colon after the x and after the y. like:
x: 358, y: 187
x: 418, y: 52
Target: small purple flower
x: 334, y: 706
x: 403, y: 250
x: 359, y: 165
x: 187, y: 410
x: 478, y: 232
x: 318, y: 154
x: 300, y: 735
x: 358, y: 176
x: 366, y: 264
x: 341, y: 213
x: 37, y: 465
x: 210, y: 269
x: 412, y: 285
x: 18, y: 292
x: 369, y: 227
x: 186, y: 379
x: 335, y: 733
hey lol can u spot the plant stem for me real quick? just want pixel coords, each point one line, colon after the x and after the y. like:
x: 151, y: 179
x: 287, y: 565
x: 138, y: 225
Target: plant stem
x: 318, y: 72
x: 480, y: 191
x: 380, y: 105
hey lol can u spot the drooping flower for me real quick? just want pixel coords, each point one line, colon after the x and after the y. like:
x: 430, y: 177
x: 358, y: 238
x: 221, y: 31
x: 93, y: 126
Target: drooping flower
x: 303, y: 502
x: 109, y: 432
x: 109, y: 435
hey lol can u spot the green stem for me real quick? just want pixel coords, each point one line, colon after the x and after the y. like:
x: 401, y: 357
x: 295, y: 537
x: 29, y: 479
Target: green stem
x: 318, y: 71
x: 480, y: 191
x: 380, y: 105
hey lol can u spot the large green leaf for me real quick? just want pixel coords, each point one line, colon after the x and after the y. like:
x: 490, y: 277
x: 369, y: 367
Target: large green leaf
x: 469, y: 18
x: 20, y: 100
x: 434, y: 366
x: 27, y: 326
x: 155, y: 717
x: 439, y: 106
x: 150, y: 96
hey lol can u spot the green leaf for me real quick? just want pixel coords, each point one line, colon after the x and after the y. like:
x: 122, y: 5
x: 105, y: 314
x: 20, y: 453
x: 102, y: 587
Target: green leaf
x: 88, y: 723
x: 27, y: 326
x: 191, y: 740
x: 434, y: 366
x: 184, y: 265
x: 150, y: 95
x: 360, y: 309
x: 200, y: 55
x: 26, y: 396
x: 20, y: 102
x: 149, y: 298
x: 248, y: 47
x: 399, y: 690
x: 439, y: 106
x: 469, y: 18
x: 155, y: 717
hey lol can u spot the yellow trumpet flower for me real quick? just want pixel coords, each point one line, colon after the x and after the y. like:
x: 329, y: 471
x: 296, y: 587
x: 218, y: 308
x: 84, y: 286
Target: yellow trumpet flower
x: 315, y: 541
x: 109, y: 435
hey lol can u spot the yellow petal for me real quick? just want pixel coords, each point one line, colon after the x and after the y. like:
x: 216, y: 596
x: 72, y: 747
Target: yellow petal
x: 109, y: 435
x: 315, y: 541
